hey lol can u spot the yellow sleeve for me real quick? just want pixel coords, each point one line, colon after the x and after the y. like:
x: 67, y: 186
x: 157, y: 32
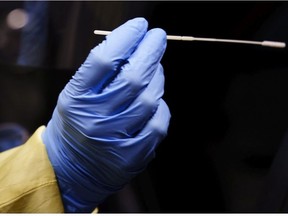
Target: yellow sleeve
x: 27, y: 179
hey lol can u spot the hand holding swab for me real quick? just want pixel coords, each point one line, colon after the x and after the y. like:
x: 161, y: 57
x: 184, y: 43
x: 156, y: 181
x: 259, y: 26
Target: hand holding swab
x: 189, y: 38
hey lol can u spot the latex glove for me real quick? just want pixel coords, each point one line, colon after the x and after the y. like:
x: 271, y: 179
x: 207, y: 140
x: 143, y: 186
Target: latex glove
x: 110, y: 116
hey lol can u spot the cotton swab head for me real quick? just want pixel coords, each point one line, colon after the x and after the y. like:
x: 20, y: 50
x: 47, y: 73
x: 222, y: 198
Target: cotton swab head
x: 274, y: 44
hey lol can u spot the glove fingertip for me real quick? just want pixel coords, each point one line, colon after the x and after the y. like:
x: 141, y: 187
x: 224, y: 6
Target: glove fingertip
x: 139, y: 22
x: 133, y: 29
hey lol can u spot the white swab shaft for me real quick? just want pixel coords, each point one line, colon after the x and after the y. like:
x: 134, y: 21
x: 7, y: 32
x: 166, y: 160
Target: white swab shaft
x: 101, y: 32
x: 189, y: 38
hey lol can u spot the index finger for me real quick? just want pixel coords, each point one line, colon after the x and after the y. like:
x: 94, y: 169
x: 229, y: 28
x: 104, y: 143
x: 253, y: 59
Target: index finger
x: 105, y: 59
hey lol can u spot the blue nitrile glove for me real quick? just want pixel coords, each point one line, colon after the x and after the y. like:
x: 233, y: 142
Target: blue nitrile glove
x: 110, y: 116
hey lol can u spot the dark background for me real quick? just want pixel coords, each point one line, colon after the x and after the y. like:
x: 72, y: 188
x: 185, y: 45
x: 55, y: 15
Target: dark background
x: 228, y: 101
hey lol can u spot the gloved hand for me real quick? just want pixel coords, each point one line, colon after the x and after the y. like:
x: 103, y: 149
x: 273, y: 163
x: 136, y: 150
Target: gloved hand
x: 110, y: 116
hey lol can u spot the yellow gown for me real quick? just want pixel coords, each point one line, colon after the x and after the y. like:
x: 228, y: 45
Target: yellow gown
x: 27, y: 180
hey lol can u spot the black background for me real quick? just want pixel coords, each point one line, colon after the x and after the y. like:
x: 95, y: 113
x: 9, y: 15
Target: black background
x: 182, y: 177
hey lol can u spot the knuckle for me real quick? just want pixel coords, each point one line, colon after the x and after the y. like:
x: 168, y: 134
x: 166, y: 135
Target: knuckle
x: 133, y: 82
x: 148, y: 101
x: 101, y: 61
x: 158, y: 129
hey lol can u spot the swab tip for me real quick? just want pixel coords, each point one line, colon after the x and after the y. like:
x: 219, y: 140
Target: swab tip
x: 274, y: 44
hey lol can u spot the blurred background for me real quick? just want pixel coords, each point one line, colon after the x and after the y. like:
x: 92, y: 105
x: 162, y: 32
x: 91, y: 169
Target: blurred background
x: 226, y: 147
